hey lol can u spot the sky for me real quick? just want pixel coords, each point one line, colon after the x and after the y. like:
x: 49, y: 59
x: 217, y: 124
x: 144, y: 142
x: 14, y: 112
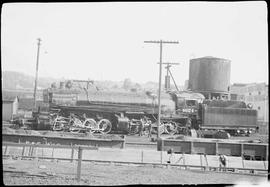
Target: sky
x: 105, y: 41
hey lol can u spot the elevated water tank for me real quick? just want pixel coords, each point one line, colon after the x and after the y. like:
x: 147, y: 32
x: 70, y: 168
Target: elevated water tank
x: 209, y: 75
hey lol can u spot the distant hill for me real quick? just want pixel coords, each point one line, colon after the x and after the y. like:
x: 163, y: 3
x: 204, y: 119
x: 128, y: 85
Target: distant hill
x: 18, y: 80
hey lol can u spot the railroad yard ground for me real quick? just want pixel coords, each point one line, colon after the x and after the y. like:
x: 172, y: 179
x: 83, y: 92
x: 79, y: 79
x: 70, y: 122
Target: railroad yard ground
x: 40, y: 172
x: 32, y: 172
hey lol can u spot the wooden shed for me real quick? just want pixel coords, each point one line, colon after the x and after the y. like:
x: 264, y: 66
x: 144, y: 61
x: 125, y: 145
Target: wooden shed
x: 9, y: 107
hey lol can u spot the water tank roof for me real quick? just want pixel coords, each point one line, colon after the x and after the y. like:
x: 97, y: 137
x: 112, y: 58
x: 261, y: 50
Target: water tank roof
x: 210, y: 57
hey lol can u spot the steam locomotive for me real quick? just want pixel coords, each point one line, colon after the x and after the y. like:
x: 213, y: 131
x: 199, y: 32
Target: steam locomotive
x: 180, y: 111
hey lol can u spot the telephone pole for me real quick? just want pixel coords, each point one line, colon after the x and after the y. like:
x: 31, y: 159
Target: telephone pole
x: 35, y: 90
x: 160, y: 42
x: 169, y: 64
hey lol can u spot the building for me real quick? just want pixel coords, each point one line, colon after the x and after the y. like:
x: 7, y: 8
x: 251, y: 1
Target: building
x: 234, y: 95
x: 9, y: 107
x: 256, y: 94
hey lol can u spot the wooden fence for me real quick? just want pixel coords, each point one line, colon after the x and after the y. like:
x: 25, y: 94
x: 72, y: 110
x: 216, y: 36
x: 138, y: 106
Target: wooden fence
x: 142, y: 159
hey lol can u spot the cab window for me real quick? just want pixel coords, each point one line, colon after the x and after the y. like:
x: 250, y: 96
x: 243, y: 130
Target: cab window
x: 191, y: 102
x: 181, y: 102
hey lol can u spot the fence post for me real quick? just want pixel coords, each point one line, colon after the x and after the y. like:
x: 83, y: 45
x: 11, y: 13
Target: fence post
x: 6, y: 150
x: 23, y: 151
x: 242, y: 149
x: 79, y: 164
x: 142, y: 156
x: 72, y: 153
x: 191, y: 147
x: 32, y: 150
x: 183, y: 156
x: 243, y: 161
x: 184, y: 160
x: 207, y: 167
x: 161, y: 157
x: 201, y: 161
x: 123, y: 143
x: 52, y: 154
x: 162, y: 144
x: 264, y: 164
x: 29, y: 151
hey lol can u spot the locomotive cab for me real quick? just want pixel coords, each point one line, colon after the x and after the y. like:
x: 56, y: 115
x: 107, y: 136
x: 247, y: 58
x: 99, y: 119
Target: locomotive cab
x: 187, y: 103
x: 187, y: 107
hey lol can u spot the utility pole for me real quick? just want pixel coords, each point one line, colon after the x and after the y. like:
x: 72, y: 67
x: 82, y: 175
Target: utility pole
x: 160, y: 42
x: 169, y: 64
x: 265, y: 108
x: 35, y: 90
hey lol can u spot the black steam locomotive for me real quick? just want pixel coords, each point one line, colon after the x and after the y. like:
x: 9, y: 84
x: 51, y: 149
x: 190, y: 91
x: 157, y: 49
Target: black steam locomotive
x: 180, y: 111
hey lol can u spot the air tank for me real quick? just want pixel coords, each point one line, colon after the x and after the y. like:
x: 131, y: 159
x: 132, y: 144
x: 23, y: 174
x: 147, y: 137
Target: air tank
x: 209, y: 75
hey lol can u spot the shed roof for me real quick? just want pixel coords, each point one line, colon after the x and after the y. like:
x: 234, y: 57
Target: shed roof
x: 8, y: 98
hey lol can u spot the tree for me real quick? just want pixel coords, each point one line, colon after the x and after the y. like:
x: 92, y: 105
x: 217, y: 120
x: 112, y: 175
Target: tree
x: 127, y: 84
x: 138, y: 86
x: 68, y: 84
x: 53, y: 85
